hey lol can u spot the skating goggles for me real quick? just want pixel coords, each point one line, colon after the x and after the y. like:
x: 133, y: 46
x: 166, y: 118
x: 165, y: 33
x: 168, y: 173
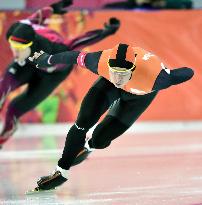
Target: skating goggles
x: 117, y: 69
x: 17, y: 45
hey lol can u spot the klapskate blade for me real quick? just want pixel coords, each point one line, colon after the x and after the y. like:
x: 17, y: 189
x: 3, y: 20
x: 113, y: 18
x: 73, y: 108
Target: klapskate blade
x: 37, y: 190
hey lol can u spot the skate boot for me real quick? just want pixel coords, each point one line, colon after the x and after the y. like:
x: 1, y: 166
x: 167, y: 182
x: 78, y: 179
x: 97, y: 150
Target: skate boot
x: 50, y: 182
x: 83, y: 154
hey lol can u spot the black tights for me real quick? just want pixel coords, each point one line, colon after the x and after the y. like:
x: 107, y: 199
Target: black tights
x: 93, y: 106
x: 121, y: 116
x: 106, y: 131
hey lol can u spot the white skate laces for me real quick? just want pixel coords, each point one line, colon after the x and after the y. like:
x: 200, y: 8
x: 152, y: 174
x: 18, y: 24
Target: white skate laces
x: 63, y: 172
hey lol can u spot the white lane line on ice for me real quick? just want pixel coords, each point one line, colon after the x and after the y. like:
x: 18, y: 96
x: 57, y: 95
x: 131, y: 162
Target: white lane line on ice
x: 61, y: 129
x: 118, y: 152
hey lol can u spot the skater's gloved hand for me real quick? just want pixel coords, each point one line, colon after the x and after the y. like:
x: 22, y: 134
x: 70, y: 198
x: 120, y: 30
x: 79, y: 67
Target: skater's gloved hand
x: 112, y: 26
x: 58, y: 8
x: 41, y: 59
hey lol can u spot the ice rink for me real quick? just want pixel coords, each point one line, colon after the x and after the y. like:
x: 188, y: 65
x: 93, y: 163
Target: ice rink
x: 151, y: 164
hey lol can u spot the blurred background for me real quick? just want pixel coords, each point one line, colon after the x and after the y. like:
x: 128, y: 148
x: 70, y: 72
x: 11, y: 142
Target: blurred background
x: 169, y: 28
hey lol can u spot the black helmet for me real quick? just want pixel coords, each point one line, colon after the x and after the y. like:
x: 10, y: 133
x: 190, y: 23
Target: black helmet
x: 21, y: 33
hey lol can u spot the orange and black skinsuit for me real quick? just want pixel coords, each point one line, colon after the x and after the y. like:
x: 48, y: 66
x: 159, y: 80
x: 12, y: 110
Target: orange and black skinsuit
x: 124, y: 105
x: 43, y: 38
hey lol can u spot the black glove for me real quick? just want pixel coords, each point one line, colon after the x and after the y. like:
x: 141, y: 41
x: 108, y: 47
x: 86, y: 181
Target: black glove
x: 58, y: 8
x: 112, y: 26
x: 41, y: 60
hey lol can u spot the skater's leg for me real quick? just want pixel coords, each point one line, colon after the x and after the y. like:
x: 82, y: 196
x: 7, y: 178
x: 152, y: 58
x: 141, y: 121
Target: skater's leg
x: 120, y: 117
x: 95, y: 103
x: 38, y: 89
x: 14, y: 77
x: 11, y: 80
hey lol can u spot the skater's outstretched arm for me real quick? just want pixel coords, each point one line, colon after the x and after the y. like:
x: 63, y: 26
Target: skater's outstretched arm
x: 42, y: 14
x: 88, y: 38
x: 94, y: 36
x: 87, y: 60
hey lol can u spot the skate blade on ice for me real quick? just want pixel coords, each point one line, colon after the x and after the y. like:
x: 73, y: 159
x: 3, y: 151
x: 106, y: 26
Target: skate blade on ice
x: 37, y: 190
